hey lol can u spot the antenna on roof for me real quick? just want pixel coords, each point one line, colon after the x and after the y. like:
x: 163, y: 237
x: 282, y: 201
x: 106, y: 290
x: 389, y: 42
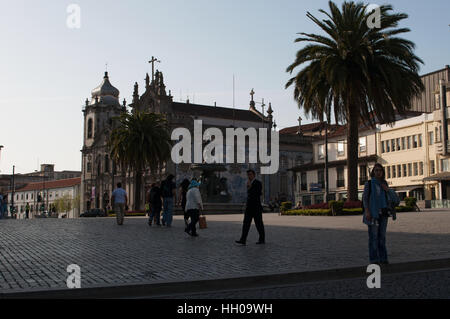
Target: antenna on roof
x: 233, y: 100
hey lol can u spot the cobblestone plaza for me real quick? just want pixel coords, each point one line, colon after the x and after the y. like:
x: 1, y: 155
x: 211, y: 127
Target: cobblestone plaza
x: 34, y: 254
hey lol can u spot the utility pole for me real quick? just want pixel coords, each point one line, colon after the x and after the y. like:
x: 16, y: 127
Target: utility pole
x: 327, y: 188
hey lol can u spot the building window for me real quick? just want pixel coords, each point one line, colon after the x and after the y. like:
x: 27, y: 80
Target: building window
x: 318, y: 199
x: 405, y: 173
x: 416, y: 169
x: 398, y: 144
x: 388, y: 146
x: 421, y: 168
x: 362, y: 174
x: 440, y: 133
x: 415, y: 141
x: 321, y: 151
x: 306, y: 200
x: 399, y: 170
x: 299, y: 161
x: 340, y: 177
x: 106, y: 164
x: 409, y: 169
x: 432, y: 168
x: 382, y: 147
x: 283, y: 161
x: 409, y: 142
x: 430, y: 138
x: 341, y: 148
x: 445, y: 165
x: 362, y: 144
x: 420, y: 140
x: 394, y: 172
x: 403, y: 143
x: 388, y: 171
x: 321, y: 178
x: 304, y: 181
x: 393, y: 145
x: 89, y: 167
x: 90, y: 128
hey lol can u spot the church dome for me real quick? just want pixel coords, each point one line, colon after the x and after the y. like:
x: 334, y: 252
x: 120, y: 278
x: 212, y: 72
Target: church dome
x: 106, y: 92
x: 105, y: 88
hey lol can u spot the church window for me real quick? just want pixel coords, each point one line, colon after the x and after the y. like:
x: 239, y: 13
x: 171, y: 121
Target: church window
x: 106, y: 164
x: 90, y: 128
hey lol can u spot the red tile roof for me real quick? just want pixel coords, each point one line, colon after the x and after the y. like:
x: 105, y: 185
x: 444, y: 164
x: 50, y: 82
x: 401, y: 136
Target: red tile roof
x: 63, y: 183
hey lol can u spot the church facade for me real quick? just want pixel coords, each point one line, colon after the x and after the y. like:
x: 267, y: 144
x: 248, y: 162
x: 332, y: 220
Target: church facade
x: 221, y: 183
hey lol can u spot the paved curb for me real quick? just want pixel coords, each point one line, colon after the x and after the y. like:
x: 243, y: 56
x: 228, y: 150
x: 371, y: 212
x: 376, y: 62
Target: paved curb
x: 202, y: 286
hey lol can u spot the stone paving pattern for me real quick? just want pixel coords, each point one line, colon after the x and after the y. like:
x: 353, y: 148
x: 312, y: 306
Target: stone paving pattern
x: 420, y: 285
x: 34, y: 254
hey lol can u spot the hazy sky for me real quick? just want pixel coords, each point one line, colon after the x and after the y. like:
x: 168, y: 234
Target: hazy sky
x: 47, y: 70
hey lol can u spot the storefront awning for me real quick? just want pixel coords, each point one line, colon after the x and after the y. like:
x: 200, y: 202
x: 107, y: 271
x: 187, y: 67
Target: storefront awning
x: 443, y: 176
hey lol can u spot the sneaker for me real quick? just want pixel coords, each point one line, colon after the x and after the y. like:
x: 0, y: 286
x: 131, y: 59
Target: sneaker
x: 240, y: 242
x: 187, y: 231
x: 194, y: 235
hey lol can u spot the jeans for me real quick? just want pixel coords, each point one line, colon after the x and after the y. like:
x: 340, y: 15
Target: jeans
x: 195, y: 215
x: 155, y: 214
x: 119, y: 209
x: 377, y: 241
x: 168, y: 211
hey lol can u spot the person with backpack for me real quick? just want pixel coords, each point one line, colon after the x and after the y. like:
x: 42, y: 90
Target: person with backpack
x: 168, y: 188
x: 378, y: 204
x: 155, y: 203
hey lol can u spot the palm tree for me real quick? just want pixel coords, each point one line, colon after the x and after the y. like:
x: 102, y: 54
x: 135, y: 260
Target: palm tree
x: 370, y: 74
x: 138, y: 142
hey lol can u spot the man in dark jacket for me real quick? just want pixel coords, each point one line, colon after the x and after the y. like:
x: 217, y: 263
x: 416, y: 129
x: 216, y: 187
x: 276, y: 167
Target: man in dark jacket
x: 253, y: 209
x: 155, y: 203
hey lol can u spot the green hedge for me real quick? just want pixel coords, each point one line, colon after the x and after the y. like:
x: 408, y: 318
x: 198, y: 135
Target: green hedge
x: 131, y: 214
x: 307, y: 212
x: 336, y: 206
x: 410, y: 201
x: 401, y: 209
x: 341, y: 212
x: 286, y: 206
x: 351, y: 211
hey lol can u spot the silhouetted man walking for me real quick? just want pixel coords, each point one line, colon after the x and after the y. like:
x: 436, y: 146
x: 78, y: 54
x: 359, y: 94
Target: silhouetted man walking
x: 253, y: 209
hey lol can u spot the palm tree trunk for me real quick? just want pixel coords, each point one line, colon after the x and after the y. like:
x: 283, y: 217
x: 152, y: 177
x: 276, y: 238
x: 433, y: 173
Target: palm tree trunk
x: 327, y: 189
x: 352, y: 153
x: 137, y: 190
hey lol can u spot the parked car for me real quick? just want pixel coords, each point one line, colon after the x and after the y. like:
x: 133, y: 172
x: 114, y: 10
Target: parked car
x: 96, y: 212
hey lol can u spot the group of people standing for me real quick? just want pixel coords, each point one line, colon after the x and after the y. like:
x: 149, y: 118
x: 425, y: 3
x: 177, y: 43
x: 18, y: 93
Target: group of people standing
x: 161, y: 197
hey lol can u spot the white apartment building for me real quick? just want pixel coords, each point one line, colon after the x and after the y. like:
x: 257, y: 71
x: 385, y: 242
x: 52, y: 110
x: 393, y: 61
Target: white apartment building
x: 310, y: 181
x: 50, y: 192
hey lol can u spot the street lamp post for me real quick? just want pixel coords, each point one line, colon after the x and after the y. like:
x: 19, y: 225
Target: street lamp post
x: 12, y: 192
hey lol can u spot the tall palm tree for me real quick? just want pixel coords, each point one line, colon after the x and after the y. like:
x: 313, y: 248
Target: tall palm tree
x: 371, y: 73
x: 138, y: 142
